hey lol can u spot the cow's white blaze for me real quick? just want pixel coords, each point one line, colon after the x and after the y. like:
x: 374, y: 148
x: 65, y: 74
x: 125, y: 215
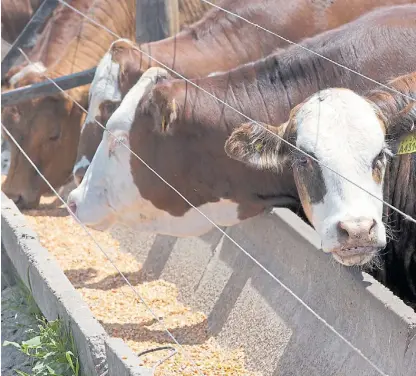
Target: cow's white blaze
x: 108, y: 193
x: 37, y: 67
x: 5, y: 157
x: 344, y: 133
x: 104, y: 86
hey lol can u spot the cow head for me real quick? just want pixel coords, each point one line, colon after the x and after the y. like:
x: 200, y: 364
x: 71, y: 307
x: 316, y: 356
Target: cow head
x: 47, y: 129
x: 97, y: 200
x: 116, y: 73
x: 346, y: 133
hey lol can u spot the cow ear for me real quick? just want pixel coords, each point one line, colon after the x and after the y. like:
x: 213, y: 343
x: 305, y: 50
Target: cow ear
x: 402, y: 130
x: 257, y: 145
x: 165, y: 107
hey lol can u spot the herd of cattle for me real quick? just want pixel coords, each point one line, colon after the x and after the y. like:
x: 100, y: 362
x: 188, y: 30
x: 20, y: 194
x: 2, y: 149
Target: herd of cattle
x: 236, y: 120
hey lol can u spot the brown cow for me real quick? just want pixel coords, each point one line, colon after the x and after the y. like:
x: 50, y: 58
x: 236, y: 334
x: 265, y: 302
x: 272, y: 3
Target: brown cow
x: 14, y: 17
x: 371, y: 141
x: 218, y: 42
x: 48, y: 128
x: 180, y: 130
x: 69, y: 43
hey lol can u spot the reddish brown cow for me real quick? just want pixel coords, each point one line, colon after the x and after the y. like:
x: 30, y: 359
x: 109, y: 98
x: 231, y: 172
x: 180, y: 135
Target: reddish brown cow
x: 47, y: 126
x: 180, y: 130
x: 218, y: 42
x: 68, y: 43
x: 14, y: 17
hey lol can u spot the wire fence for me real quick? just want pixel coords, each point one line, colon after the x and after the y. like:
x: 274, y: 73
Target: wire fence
x: 406, y: 216
x: 304, y: 304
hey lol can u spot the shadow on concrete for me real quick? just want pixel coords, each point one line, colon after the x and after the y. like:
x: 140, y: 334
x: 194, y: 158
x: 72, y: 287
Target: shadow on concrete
x: 47, y: 210
x: 187, y: 335
x: 158, y: 256
x: 79, y: 278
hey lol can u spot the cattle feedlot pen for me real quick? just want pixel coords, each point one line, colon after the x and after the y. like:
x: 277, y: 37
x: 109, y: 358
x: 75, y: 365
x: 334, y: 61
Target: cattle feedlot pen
x: 406, y: 216
x: 329, y: 326
x: 226, y: 104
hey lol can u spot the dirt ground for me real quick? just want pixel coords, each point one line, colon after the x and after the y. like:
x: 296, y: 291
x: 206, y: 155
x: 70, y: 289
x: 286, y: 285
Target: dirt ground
x: 14, y: 324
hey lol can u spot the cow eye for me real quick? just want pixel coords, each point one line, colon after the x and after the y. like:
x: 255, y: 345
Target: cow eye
x: 54, y: 137
x: 303, y: 160
x: 378, y: 161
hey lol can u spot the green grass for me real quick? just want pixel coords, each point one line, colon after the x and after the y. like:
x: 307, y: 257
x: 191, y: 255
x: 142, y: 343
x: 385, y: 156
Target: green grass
x: 50, y: 346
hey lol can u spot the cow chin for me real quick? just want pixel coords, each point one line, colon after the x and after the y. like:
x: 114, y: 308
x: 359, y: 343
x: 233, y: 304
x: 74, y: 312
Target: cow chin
x: 104, y: 225
x: 101, y: 221
x: 354, y: 256
x: 23, y: 201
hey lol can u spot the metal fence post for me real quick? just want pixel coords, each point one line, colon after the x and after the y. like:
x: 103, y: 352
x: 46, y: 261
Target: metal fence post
x: 156, y: 19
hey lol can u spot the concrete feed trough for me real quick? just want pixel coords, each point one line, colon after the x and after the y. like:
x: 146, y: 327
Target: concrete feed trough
x: 248, y: 308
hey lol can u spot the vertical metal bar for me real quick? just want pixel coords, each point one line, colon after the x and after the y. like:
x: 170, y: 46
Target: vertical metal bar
x: 27, y: 36
x: 172, y: 15
x: 151, y: 21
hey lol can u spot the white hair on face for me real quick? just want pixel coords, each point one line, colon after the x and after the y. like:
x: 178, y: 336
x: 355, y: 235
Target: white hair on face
x: 344, y: 132
x: 104, y: 86
x: 37, y: 67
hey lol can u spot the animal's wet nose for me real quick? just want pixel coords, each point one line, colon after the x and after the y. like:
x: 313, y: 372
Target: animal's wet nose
x: 16, y: 198
x: 72, y: 206
x: 79, y: 174
x: 361, y: 228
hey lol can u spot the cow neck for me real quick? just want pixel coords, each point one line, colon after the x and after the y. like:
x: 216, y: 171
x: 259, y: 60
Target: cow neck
x: 399, y: 191
x: 220, y: 42
x: 399, y: 262
x: 91, y: 42
x: 264, y: 91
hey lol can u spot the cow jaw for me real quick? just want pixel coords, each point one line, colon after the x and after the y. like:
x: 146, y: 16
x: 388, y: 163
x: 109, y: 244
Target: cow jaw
x: 343, y: 132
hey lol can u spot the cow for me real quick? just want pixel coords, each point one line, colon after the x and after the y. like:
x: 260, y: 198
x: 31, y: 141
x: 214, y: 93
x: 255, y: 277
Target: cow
x: 218, y: 42
x: 68, y: 43
x: 48, y: 128
x: 371, y: 141
x: 179, y: 130
x: 14, y: 17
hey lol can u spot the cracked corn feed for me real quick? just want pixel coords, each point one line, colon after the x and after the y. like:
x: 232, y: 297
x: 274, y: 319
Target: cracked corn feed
x: 117, y: 308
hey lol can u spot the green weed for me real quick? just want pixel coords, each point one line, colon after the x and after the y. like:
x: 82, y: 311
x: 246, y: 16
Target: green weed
x: 50, y: 347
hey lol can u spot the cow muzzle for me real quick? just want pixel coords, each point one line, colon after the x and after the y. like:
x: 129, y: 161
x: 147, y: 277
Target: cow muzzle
x: 96, y: 215
x: 359, y: 240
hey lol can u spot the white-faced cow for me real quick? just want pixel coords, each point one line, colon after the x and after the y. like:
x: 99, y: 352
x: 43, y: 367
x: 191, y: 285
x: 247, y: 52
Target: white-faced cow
x: 49, y: 127
x: 371, y: 141
x: 180, y: 131
x: 218, y: 42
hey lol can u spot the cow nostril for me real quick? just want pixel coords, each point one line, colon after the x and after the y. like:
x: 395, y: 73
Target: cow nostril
x: 372, y: 226
x: 356, y: 228
x: 72, y: 206
x: 343, y: 230
x: 18, y: 200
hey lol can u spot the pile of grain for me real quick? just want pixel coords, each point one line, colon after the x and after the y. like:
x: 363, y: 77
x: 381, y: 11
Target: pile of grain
x: 117, y: 308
